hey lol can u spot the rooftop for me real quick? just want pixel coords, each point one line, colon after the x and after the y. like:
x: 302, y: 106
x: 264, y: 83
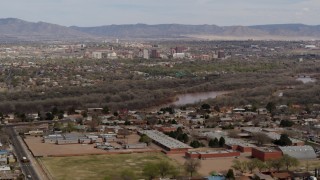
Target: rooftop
x: 164, y: 140
x: 276, y: 136
x: 211, y: 152
x: 299, y: 152
x: 228, y: 141
x: 267, y: 149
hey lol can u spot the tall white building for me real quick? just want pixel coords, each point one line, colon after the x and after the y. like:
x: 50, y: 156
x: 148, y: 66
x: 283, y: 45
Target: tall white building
x: 97, y: 55
x: 145, y: 54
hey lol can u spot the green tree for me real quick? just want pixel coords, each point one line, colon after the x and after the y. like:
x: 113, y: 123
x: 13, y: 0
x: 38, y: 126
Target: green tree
x: 150, y: 171
x: 174, y: 172
x: 269, y: 164
x: 84, y: 114
x: 216, y: 108
x: 196, y: 144
x: 251, y: 165
x: 239, y: 166
x: 49, y: 116
x: 69, y: 128
x: 286, y: 123
x: 164, y: 168
x: 289, y: 161
x: 210, y: 144
x: 145, y: 139
x: 277, y: 164
x: 222, y: 141
x: 230, y: 175
x: 205, y: 106
x: 105, y: 110
x: 283, y: 141
x: 55, y: 110
x: 184, y: 138
x: 60, y: 116
x: 71, y: 110
x: 174, y: 121
x: 260, y: 165
x: 170, y: 110
x: 271, y: 107
x: 214, y: 143
x: 192, y: 165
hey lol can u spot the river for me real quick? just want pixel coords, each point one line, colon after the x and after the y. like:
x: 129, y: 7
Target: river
x: 306, y: 79
x: 191, y: 98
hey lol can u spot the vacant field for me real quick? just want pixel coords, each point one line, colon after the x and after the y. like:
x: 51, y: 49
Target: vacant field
x: 100, y: 166
x: 215, y: 164
x: 309, y: 164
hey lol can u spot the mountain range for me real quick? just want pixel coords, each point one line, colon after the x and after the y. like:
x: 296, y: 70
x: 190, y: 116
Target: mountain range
x: 20, y: 30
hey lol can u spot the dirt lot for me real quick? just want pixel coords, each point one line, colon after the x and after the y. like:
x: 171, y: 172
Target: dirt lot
x: 45, y: 149
x: 209, y: 165
x: 39, y: 148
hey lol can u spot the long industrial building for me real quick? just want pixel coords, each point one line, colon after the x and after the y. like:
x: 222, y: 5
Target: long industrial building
x: 170, y: 145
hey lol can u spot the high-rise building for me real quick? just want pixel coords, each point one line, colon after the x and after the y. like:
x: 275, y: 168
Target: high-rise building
x: 180, y: 49
x: 155, y: 53
x: 221, y: 54
x: 140, y: 54
x: 145, y: 54
x: 173, y: 51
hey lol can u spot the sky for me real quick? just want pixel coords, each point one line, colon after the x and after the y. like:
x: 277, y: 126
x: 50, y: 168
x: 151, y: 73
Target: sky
x: 218, y: 12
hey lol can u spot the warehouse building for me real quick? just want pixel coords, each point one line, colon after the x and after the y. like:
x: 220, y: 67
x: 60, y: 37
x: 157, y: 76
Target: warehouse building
x: 299, y: 152
x: 232, y: 143
x: 170, y: 145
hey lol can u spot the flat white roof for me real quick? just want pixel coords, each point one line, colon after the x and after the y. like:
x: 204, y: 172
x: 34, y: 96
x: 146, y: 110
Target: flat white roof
x: 299, y: 152
x: 229, y: 141
x: 164, y: 140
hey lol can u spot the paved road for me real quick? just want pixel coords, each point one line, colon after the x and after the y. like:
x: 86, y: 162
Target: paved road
x: 27, y: 168
x: 33, y: 123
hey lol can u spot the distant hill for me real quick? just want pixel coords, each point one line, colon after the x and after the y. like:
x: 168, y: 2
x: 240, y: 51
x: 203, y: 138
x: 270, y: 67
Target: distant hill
x: 24, y: 30
x: 289, y: 31
x: 149, y: 31
x: 16, y: 29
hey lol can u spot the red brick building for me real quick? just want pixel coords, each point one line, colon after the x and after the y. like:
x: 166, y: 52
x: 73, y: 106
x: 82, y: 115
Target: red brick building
x: 241, y: 148
x: 211, y: 154
x: 264, y: 153
x: 167, y: 129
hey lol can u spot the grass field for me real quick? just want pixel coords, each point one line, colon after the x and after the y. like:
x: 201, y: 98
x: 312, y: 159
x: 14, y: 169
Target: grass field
x: 100, y: 166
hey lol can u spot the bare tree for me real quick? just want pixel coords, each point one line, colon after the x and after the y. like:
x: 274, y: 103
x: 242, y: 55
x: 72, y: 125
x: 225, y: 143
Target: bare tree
x: 192, y: 165
x: 240, y: 166
x: 233, y: 133
x: 261, y: 138
x: 164, y: 168
x: 124, y: 132
x: 289, y: 161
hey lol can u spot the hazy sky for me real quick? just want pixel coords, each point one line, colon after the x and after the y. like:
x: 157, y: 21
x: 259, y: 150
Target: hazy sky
x: 219, y: 12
